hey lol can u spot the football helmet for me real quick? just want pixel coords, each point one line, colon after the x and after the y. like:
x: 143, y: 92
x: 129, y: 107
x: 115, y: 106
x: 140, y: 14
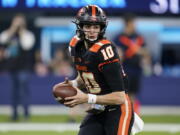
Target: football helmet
x: 90, y: 14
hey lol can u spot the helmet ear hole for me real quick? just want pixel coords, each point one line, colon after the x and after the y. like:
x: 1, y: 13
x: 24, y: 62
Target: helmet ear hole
x: 81, y: 26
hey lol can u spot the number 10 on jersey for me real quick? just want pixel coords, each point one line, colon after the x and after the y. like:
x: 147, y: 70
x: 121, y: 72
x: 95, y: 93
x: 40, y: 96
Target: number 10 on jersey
x: 107, y: 52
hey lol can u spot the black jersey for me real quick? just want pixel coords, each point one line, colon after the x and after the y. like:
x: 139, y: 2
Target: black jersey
x: 98, y: 66
x: 130, y: 45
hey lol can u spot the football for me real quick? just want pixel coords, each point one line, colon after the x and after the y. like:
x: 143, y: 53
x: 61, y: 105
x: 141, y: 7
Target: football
x: 62, y: 91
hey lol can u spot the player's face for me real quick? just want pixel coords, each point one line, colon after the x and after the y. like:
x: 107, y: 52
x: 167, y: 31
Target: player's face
x: 91, y: 31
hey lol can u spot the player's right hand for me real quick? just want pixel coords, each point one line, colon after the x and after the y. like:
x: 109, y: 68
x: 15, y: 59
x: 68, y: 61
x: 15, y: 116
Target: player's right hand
x: 79, y: 98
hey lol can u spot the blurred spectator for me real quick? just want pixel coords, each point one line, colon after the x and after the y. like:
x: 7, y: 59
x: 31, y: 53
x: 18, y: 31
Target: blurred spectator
x: 19, y: 43
x: 41, y: 69
x: 133, y: 55
x: 2, y: 59
x: 60, y: 65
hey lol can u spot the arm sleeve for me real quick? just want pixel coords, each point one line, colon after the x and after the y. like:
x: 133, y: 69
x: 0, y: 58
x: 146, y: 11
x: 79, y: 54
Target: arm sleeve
x: 27, y: 40
x: 113, y: 76
x: 111, y: 69
x: 4, y: 36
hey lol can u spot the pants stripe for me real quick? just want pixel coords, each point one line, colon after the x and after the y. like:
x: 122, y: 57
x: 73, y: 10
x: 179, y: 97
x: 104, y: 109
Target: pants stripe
x: 125, y: 118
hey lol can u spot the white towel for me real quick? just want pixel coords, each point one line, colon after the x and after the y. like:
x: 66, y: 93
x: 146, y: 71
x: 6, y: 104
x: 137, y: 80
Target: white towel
x: 138, y: 125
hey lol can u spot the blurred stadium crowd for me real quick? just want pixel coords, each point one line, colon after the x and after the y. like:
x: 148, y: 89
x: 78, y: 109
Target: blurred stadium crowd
x: 19, y: 50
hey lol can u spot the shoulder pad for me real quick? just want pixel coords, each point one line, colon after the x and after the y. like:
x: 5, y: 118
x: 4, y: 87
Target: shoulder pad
x: 99, y: 44
x: 74, y: 41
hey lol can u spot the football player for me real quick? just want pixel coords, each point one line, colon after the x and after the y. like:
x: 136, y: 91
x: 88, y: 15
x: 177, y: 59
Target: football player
x: 100, y: 72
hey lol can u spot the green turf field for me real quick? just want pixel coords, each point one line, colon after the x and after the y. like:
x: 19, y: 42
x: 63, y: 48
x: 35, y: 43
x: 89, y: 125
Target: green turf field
x: 44, y: 118
x: 65, y: 118
x: 74, y: 133
x: 161, y: 119
x: 38, y: 133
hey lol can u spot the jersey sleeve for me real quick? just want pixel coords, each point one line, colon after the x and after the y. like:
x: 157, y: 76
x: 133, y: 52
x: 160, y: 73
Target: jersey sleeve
x: 73, y: 42
x: 109, y: 65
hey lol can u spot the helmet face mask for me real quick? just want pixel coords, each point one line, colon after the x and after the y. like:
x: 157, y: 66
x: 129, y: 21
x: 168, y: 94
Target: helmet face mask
x: 91, y: 15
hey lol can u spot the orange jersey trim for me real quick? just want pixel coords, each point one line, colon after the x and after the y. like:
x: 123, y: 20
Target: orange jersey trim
x: 125, y: 118
x: 81, y: 68
x: 126, y: 41
x: 105, y: 41
x: 74, y: 41
x: 133, y: 47
x: 95, y: 48
x: 132, y: 51
x: 108, y: 62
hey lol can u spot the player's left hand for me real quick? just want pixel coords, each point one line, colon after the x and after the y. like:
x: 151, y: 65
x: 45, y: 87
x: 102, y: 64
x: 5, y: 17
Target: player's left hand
x: 79, y: 98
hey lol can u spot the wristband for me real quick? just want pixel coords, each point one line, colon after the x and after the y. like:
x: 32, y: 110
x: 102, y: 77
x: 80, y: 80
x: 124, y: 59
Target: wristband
x: 74, y: 83
x: 92, y: 98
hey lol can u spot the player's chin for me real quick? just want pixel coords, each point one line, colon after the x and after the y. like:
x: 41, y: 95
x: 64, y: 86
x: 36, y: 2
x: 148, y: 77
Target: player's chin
x: 92, y: 39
